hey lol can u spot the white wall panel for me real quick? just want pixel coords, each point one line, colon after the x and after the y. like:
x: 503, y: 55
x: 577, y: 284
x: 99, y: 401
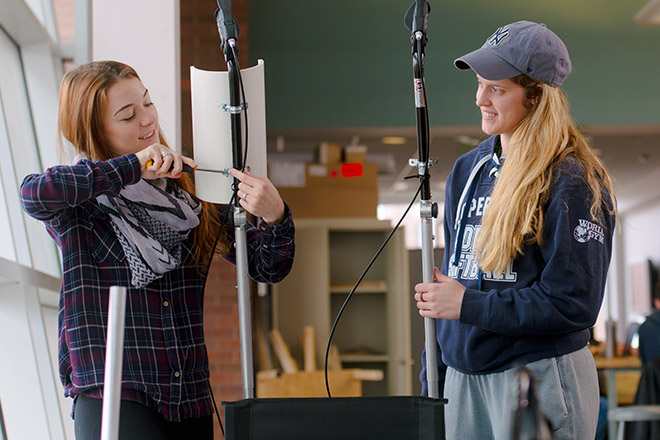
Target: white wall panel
x: 145, y: 35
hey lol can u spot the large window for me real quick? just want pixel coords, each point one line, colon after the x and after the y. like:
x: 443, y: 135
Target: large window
x: 8, y: 252
x: 24, y: 240
x: 33, y: 405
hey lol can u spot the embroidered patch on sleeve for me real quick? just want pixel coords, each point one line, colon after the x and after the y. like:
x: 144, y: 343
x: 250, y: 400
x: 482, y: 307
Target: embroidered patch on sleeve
x: 586, y: 230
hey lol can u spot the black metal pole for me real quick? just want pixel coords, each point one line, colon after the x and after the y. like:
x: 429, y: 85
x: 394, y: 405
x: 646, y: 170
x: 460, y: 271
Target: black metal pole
x: 240, y: 222
x: 416, y: 20
x: 229, y: 30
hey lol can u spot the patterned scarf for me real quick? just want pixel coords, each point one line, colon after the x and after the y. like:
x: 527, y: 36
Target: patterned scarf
x: 151, y: 218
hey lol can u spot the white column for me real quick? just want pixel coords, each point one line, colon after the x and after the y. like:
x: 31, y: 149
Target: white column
x: 145, y: 34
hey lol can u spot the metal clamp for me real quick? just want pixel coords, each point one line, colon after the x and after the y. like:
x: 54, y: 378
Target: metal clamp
x: 416, y: 163
x: 240, y: 218
x: 428, y: 209
x: 233, y: 109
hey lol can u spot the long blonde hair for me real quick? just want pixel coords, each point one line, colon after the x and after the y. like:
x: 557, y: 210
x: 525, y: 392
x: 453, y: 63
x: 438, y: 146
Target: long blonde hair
x: 83, y: 99
x: 545, y: 138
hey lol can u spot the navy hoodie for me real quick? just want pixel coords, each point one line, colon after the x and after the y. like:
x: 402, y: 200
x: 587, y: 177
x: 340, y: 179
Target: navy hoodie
x: 547, y: 299
x: 649, y: 338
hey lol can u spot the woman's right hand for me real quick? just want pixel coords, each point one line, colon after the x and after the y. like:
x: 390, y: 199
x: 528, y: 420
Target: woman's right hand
x: 440, y: 299
x: 159, y: 161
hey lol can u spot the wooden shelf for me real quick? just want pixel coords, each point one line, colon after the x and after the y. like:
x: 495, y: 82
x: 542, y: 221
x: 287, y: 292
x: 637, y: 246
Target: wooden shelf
x: 331, y: 254
x: 362, y: 358
x: 364, y: 287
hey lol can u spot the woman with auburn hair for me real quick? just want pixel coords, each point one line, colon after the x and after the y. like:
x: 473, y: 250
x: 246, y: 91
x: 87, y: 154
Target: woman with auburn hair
x: 529, y: 219
x: 120, y: 220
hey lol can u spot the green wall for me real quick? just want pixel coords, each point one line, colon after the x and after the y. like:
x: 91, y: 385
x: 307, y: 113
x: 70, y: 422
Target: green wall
x: 348, y: 63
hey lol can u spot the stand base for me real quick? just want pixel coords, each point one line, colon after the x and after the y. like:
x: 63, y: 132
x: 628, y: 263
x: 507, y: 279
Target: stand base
x: 359, y: 418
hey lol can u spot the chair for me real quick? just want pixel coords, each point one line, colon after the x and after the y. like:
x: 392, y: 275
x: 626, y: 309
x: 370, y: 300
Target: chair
x: 645, y: 409
x: 632, y: 413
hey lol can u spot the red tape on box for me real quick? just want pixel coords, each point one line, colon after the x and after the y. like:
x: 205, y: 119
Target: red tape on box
x: 352, y: 169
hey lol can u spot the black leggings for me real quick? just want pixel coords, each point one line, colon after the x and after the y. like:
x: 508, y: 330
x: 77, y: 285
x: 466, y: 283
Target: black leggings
x: 137, y: 422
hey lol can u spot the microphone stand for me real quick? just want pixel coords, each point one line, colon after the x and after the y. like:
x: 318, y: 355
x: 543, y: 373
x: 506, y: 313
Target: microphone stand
x: 427, y: 209
x: 235, y: 108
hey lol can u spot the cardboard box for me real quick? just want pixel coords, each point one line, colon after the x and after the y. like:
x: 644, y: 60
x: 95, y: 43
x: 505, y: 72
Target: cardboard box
x: 355, y: 153
x: 329, y: 153
x: 341, y: 190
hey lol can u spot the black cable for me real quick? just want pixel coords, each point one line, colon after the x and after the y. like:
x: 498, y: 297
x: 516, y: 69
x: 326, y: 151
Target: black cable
x: 350, y: 295
x: 208, y: 269
x: 245, y: 151
x: 240, y: 80
x: 217, y: 414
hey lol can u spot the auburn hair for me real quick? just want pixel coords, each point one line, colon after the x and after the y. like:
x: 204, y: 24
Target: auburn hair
x: 545, y: 138
x: 82, y: 103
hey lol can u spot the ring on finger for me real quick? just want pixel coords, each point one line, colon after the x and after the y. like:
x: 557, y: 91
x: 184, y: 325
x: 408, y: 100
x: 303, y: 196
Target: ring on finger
x: 245, y: 197
x: 421, y: 296
x: 164, y: 153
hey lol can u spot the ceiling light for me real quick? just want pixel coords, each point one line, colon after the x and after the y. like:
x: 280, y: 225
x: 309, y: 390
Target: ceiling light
x: 393, y: 140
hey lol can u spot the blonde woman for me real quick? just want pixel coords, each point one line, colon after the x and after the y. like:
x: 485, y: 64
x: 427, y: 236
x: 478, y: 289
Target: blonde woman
x: 529, y: 218
x: 120, y: 221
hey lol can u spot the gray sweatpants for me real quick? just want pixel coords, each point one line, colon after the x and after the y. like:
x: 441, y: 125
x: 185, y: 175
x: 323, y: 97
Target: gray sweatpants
x: 481, y: 407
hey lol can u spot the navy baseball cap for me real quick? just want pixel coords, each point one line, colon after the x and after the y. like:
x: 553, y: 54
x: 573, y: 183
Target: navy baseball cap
x: 520, y: 47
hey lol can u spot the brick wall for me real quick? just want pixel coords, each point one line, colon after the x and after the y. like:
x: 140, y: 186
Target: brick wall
x: 222, y: 333
x: 200, y: 47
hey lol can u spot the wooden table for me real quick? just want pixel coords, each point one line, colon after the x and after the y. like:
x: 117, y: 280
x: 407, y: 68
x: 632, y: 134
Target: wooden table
x: 618, y: 363
x: 612, y: 365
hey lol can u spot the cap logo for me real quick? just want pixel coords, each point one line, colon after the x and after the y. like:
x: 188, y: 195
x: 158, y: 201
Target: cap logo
x: 499, y: 35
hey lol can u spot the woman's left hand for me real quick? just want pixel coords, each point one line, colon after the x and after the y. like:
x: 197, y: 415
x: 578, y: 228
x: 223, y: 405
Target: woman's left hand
x: 441, y: 299
x: 259, y: 197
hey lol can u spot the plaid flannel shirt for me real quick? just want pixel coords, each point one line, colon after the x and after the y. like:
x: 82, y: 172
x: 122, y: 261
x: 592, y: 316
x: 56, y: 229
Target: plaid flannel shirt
x: 165, y: 359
